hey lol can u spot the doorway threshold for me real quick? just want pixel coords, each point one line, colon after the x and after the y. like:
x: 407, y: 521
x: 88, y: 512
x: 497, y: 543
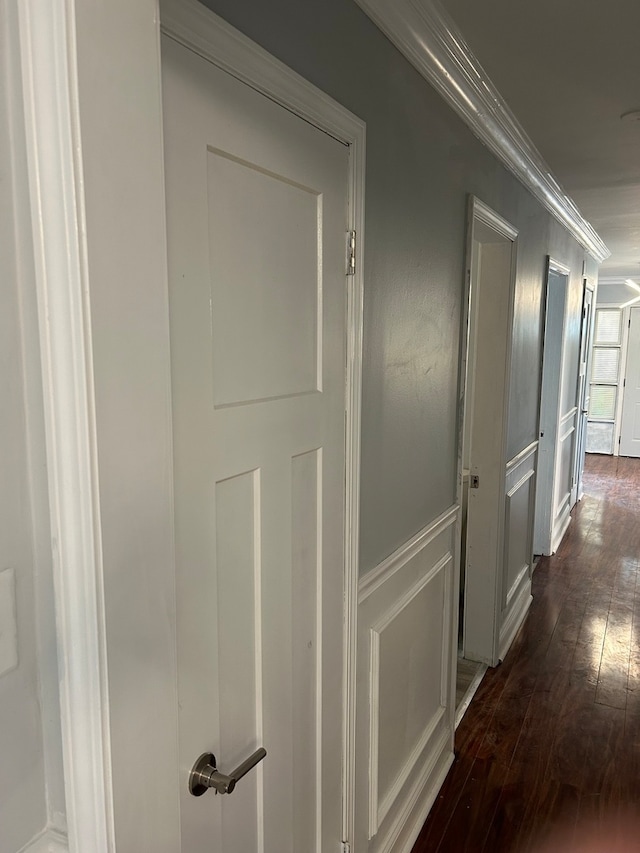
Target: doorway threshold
x: 468, y: 678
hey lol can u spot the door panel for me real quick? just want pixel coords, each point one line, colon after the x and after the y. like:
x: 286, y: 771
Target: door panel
x: 630, y: 428
x: 584, y: 388
x: 256, y: 218
x: 551, y: 488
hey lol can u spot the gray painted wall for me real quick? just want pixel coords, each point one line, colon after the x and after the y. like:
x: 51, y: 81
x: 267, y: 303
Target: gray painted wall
x: 422, y: 162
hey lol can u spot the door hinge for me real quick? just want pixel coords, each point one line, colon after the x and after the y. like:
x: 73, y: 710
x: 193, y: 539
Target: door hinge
x: 351, y: 252
x: 346, y: 847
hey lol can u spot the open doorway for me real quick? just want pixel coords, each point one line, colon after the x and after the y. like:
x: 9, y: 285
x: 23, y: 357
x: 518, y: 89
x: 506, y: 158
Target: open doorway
x: 584, y: 387
x: 552, y: 508
x: 491, y: 254
x: 564, y: 404
x: 629, y: 443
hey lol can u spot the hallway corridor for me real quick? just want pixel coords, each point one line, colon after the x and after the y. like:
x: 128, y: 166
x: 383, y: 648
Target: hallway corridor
x: 553, y: 734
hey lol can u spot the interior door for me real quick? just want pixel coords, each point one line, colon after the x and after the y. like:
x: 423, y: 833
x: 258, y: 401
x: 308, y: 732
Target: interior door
x: 256, y: 218
x: 550, y: 405
x: 584, y: 388
x: 630, y: 424
x: 491, y: 263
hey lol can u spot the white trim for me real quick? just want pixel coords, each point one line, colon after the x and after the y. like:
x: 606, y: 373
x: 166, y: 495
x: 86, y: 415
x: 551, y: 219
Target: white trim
x: 516, y: 584
x: 197, y: 28
x: 378, y: 811
x: 561, y: 523
x: 374, y: 579
x: 520, y: 482
x: 528, y: 451
x: 400, y: 822
x: 566, y: 417
x: 622, y: 377
x: 431, y: 41
x: 484, y: 214
x: 525, y: 570
x: 202, y: 31
x: 50, y: 93
x: 556, y: 266
x: 515, y: 619
x: 614, y: 279
x: 48, y: 841
x: 409, y: 765
x: 549, y: 420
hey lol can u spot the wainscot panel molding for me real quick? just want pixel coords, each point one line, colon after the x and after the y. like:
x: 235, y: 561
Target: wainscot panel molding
x: 516, y: 617
x: 370, y: 582
x: 48, y: 841
x: 561, y: 522
x: 520, y: 457
x: 380, y: 804
x: 431, y: 41
x: 518, y: 543
x: 405, y: 619
x: 563, y: 476
x: 409, y: 820
x: 568, y: 417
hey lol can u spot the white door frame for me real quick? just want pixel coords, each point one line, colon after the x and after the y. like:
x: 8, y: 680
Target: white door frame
x: 481, y: 216
x: 584, y: 386
x: 627, y: 315
x: 545, y: 542
x: 52, y: 40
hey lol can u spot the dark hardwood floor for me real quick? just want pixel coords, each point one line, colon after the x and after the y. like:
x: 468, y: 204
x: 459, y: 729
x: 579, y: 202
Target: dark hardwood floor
x: 553, y: 733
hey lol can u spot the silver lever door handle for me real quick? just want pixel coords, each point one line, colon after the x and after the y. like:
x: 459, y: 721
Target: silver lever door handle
x: 205, y: 774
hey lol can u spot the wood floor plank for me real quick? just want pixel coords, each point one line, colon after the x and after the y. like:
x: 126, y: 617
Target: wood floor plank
x: 552, y: 737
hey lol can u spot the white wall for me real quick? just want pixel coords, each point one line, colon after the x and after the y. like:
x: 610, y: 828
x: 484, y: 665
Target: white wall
x: 31, y: 780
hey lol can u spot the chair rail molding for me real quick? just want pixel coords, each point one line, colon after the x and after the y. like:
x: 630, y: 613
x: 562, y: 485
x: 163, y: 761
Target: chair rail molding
x: 431, y: 41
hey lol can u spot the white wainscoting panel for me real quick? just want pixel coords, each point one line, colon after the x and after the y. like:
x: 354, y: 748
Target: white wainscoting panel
x: 518, y: 543
x: 564, y: 476
x: 48, y: 841
x: 406, y: 730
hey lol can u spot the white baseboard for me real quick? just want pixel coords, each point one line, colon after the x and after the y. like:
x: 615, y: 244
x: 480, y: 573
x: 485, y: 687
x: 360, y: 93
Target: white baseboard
x: 47, y: 841
x: 563, y: 519
x: 411, y: 830
x: 516, y: 617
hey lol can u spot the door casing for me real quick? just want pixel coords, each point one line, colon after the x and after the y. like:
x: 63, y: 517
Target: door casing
x: 626, y: 442
x: 586, y: 336
x: 482, y: 612
x: 547, y: 534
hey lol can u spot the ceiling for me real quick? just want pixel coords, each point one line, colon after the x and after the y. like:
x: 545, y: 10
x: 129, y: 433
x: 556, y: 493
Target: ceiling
x: 568, y: 69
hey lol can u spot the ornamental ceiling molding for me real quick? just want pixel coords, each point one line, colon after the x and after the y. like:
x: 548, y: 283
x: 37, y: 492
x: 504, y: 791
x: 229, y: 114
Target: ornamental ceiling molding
x: 431, y: 41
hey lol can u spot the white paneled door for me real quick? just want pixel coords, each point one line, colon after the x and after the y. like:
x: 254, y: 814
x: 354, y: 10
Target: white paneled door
x: 257, y: 212
x: 584, y: 388
x: 630, y: 425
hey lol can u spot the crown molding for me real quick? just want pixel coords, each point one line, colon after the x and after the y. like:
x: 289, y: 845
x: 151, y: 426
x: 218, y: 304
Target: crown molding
x: 431, y: 41
x: 616, y: 279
